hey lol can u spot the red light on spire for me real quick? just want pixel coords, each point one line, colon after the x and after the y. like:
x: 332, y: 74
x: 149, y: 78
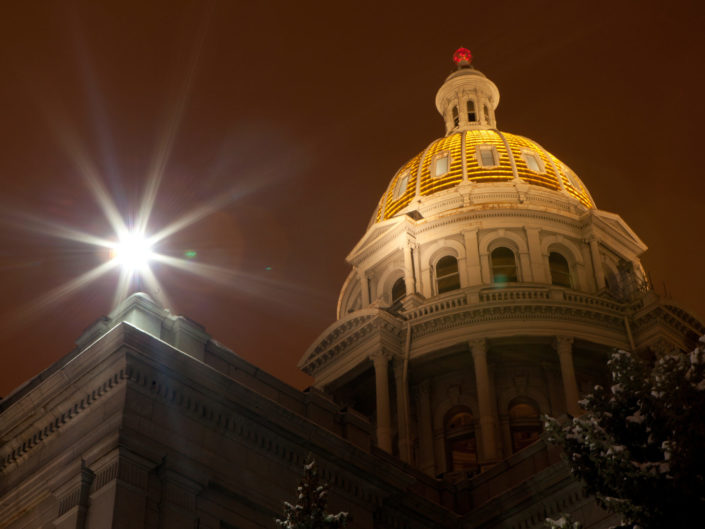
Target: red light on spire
x: 462, y: 57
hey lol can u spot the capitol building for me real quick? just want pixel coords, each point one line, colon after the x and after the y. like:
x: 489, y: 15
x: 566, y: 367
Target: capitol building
x: 487, y: 290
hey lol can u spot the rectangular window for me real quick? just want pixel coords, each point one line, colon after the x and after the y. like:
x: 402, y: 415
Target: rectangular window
x: 532, y: 162
x: 488, y: 156
x: 456, y: 119
x: 402, y: 184
x: 471, y: 111
x: 441, y: 168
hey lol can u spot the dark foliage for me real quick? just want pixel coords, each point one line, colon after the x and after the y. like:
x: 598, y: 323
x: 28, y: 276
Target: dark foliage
x: 640, y: 448
x: 309, y: 512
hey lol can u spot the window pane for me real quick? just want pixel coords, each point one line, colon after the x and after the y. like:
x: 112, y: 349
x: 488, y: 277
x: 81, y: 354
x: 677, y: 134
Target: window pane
x: 504, y: 269
x: 447, y: 277
x: 398, y: 290
x: 401, y: 186
x: 487, y: 158
x: 573, y: 178
x: 441, y: 166
x: 532, y: 163
x: 560, y: 271
x: 471, y: 111
x: 448, y: 283
x: 446, y: 265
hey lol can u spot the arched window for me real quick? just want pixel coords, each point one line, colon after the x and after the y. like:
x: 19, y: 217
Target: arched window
x: 456, y: 120
x: 524, y: 423
x: 471, y: 111
x: 504, y: 266
x: 447, y: 276
x: 398, y: 290
x: 461, y: 447
x: 560, y: 271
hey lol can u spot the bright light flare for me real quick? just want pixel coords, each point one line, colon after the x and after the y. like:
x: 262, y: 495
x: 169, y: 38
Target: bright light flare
x: 133, y: 252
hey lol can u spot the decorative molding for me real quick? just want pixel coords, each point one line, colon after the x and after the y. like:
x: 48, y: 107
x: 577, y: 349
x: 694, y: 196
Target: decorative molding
x: 22, y: 448
x: 244, y: 429
x: 348, y: 333
x: 469, y: 307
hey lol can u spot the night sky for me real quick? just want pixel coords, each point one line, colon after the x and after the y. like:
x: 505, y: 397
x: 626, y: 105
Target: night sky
x: 293, y: 117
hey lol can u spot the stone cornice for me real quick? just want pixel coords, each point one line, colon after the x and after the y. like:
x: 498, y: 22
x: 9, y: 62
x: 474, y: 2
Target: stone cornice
x: 500, y: 210
x: 684, y: 323
x: 342, y: 334
x: 370, y: 244
x: 612, y: 225
x: 16, y: 450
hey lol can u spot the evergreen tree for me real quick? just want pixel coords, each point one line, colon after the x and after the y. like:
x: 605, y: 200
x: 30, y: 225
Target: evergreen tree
x: 310, y: 509
x: 640, y: 448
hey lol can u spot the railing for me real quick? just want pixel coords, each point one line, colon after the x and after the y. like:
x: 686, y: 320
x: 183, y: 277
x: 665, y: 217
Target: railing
x: 445, y: 304
x: 540, y: 295
x: 514, y: 294
x: 586, y: 299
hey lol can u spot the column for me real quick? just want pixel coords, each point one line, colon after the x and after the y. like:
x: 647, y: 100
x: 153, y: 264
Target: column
x: 425, y: 428
x: 564, y: 347
x: 384, y: 430
x: 409, y: 274
x: 597, y: 270
x: 482, y: 383
x: 402, y: 411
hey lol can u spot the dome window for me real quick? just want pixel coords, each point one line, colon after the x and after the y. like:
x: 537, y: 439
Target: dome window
x: 572, y: 178
x: 504, y: 266
x: 401, y: 185
x: 456, y: 118
x: 524, y: 423
x: 447, y: 276
x: 532, y: 162
x: 441, y: 165
x: 560, y: 271
x: 398, y: 290
x: 472, y: 117
x: 487, y: 156
x: 486, y: 111
x: 461, y: 446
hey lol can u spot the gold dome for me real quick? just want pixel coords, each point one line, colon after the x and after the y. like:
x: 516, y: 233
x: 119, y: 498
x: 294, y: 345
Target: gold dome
x: 480, y: 156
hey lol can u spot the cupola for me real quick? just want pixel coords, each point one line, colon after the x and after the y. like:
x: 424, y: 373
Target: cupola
x: 467, y: 100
